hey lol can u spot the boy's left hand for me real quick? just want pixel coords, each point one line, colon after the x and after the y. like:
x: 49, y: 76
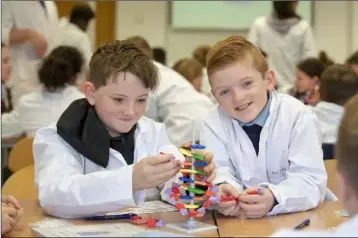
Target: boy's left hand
x: 257, y: 205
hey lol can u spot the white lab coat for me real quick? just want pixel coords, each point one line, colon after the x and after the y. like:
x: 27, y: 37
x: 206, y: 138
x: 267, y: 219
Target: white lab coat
x: 37, y: 109
x: 329, y: 116
x: 71, y: 186
x: 25, y: 62
x: 72, y: 35
x: 347, y: 229
x: 290, y: 160
x: 177, y: 104
x: 284, y: 51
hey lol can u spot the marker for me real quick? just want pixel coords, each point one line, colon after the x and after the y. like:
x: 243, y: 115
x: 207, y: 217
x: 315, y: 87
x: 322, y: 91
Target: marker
x: 302, y: 224
x: 111, y: 217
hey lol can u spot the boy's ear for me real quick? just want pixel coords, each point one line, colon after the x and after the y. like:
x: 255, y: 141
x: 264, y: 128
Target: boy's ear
x: 270, y: 79
x: 89, y: 90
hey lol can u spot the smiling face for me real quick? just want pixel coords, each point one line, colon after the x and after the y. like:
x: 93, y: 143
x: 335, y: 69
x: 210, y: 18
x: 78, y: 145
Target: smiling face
x: 120, y: 103
x: 241, y: 91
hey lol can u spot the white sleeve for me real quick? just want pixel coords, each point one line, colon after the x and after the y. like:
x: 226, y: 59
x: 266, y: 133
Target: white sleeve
x: 253, y: 35
x: 309, y: 45
x: 178, y: 106
x: 7, y: 22
x: 225, y: 170
x: 11, y: 124
x: 65, y: 191
x: 306, y: 182
x: 85, y: 48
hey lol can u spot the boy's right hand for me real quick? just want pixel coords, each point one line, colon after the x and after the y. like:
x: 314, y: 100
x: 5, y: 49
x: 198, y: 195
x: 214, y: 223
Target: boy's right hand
x: 154, y: 170
x: 228, y: 208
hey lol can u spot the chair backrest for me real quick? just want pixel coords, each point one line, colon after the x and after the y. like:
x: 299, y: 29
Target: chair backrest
x: 331, y: 173
x: 21, y: 154
x: 21, y: 184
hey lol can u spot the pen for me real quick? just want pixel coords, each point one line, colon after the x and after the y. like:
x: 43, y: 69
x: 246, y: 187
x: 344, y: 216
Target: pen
x: 302, y: 224
x: 111, y: 217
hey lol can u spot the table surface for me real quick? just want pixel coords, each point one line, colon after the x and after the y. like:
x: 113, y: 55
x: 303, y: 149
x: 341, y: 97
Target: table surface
x: 33, y: 213
x: 322, y: 217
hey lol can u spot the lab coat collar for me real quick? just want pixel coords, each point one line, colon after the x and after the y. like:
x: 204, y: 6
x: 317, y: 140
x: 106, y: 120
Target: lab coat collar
x: 81, y: 128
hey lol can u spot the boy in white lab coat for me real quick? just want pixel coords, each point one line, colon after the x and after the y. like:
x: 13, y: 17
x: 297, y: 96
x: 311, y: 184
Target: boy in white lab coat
x: 337, y: 85
x: 347, y: 169
x: 260, y: 139
x: 102, y: 155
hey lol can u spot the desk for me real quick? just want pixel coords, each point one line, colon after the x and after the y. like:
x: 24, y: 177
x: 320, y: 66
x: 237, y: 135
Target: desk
x: 322, y: 217
x: 33, y: 213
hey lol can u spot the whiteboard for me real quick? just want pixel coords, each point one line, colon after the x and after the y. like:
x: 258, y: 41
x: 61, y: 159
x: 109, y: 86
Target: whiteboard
x: 225, y: 15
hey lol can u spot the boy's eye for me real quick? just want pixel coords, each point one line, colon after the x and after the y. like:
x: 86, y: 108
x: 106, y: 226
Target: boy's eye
x: 118, y: 99
x: 223, y: 92
x: 142, y: 100
x: 246, y: 84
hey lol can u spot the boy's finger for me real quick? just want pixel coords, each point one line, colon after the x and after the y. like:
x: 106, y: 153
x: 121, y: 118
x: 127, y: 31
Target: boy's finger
x: 14, y: 202
x: 208, y: 157
x: 11, y: 211
x: 252, y: 207
x: 158, y: 159
x: 165, y: 176
x: 227, y: 204
x: 161, y: 168
x: 254, y: 198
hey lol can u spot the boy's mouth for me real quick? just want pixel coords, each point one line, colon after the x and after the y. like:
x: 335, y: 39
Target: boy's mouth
x: 243, y: 107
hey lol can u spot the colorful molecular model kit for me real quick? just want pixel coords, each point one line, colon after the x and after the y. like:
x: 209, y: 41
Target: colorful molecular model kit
x: 187, y: 197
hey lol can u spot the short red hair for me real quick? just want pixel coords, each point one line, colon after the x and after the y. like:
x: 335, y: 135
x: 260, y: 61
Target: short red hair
x: 232, y: 50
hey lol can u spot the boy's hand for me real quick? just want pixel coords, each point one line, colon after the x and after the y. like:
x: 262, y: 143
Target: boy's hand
x: 154, y: 170
x: 209, y: 169
x: 257, y: 205
x: 8, y: 199
x: 229, y: 208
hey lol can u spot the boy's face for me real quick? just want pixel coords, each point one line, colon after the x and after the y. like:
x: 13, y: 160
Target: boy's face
x: 5, y: 64
x: 355, y: 68
x: 303, y: 82
x: 346, y: 194
x: 119, y: 104
x: 241, y: 91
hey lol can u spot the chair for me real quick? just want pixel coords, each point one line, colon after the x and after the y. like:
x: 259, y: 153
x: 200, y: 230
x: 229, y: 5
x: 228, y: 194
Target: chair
x: 21, y: 184
x: 331, y: 173
x: 21, y: 154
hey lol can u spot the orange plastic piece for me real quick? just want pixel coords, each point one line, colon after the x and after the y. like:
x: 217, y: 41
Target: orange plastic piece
x: 209, y: 193
x: 198, y: 198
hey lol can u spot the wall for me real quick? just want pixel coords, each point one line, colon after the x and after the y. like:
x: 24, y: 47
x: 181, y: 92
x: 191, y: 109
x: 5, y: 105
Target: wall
x: 337, y: 34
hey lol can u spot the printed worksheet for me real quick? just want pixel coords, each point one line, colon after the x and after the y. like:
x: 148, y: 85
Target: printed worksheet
x: 148, y: 207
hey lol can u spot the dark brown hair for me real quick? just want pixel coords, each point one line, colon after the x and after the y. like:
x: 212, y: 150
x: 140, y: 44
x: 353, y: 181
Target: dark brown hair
x: 338, y: 84
x: 142, y: 44
x: 200, y: 53
x: 60, y: 67
x: 313, y: 67
x: 235, y: 49
x: 121, y: 56
x: 188, y: 68
x: 284, y: 9
x: 347, y: 144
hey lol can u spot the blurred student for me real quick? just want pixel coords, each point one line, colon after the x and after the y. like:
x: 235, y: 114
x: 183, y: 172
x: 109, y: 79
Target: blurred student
x: 347, y: 170
x: 352, y: 62
x: 199, y: 54
x: 191, y: 70
x: 175, y: 103
x: 29, y: 29
x: 6, y: 104
x: 11, y: 213
x: 286, y: 38
x: 74, y: 33
x: 40, y: 108
x: 103, y: 155
x: 260, y: 139
x: 338, y: 84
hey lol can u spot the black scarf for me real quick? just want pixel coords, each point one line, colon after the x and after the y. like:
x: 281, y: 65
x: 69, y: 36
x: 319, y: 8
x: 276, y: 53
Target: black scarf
x: 81, y: 128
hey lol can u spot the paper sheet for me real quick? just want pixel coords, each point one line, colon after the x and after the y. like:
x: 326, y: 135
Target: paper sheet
x: 147, y: 207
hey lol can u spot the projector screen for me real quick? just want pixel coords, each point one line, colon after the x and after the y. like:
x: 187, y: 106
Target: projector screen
x: 225, y: 15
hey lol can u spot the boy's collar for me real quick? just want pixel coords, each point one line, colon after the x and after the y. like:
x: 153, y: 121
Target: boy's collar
x: 262, y: 116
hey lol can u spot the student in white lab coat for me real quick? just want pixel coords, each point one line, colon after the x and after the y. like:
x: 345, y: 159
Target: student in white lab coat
x: 29, y: 29
x: 286, y: 38
x: 103, y: 155
x: 175, y: 103
x: 337, y: 85
x: 74, y: 33
x: 347, y: 169
x: 46, y: 104
x: 259, y: 138
x: 200, y: 53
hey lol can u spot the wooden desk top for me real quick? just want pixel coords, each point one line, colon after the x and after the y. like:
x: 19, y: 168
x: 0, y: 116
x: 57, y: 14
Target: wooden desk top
x: 322, y: 217
x: 33, y: 213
